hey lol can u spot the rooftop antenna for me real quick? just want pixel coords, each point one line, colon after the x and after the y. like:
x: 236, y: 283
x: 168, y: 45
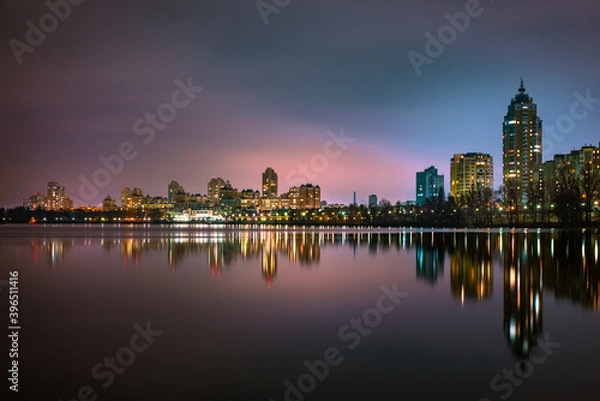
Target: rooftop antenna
x: 522, y: 87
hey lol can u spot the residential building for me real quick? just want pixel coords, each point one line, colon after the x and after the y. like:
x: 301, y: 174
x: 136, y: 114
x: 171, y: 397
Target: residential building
x: 173, y: 188
x: 306, y: 196
x: 57, y: 198
x: 429, y: 184
x: 214, y: 189
x: 269, y: 183
x: 35, y: 201
x: 470, y: 172
x: 132, y: 199
x: 109, y: 204
x: 521, y: 146
x: 125, y: 194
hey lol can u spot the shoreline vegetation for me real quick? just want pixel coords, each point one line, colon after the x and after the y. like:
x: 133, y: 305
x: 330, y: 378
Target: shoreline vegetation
x: 346, y: 216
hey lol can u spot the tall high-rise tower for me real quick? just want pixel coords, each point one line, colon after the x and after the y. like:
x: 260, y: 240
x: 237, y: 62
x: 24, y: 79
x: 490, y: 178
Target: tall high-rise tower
x: 269, y: 181
x: 521, y: 146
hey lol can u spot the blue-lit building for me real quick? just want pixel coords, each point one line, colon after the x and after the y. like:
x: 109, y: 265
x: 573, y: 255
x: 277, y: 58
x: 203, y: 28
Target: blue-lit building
x: 372, y: 200
x: 429, y: 184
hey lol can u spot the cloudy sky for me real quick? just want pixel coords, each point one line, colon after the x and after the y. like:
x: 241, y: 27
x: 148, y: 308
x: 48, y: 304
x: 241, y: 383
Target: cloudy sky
x: 273, y: 95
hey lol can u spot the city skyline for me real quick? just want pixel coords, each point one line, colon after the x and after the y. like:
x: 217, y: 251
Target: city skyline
x: 364, y: 199
x: 271, y: 199
x: 268, y: 99
x: 468, y: 171
x: 219, y: 192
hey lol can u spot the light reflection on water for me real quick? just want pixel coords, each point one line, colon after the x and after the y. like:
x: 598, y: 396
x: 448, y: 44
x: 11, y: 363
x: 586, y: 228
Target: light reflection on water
x: 518, y: 268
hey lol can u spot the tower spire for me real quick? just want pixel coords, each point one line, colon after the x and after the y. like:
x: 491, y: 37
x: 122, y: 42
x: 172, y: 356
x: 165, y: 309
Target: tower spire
x: 522, y: 87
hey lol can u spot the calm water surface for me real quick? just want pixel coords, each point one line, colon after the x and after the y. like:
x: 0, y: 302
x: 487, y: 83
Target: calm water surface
x: 240, y: 310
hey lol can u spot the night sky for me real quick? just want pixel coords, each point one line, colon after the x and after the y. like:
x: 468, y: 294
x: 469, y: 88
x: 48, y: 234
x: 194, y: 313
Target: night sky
x: 272, y: 93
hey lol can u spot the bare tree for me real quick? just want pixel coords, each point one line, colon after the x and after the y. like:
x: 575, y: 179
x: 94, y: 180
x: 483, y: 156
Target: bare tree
x: 590, y: 189
x: 567, y: 196
x: 534, y: 198
x: 512, y: 201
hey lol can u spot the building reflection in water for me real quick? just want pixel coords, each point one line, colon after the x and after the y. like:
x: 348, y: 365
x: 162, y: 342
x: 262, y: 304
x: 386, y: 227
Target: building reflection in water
x: 51, y: 250
x: 572, y: 268
x: 471, y: 273
x: 523, y: 285
x: 429, y: 255
x: 564, y: 263
x: 222, y: 251
x: 269, y: 258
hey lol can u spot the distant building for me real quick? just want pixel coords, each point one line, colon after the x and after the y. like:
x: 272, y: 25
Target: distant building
x: 198, y: 201
x: 310, y: 196
x: 214, y: 189
x: 109, y: 204
x: 157, y: 202
x: 202, y: 215
x: 586, y: 158
x: 591, y: 155
x: 372, y: 200
x: 272, y: 203
x: 429, y: 184
x: 249, y: 198
x: 173, y: 188
x: 269, y: 183
x: 470, y: 171
x: 35, y: 201
x: 137, y: 198
x: 549, y: 177
x: 132, y: 199
x: 306, y: 196
x: 57, y: 198
x: 577, y: 161
x: 521, y: 146
x: 125, y: 194
x: 228, y: 192
x: 294, y: 196
x: 249, y: 194
x: 181, y: 199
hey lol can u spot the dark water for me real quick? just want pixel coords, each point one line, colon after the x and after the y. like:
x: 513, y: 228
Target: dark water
x: 452, y: 315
